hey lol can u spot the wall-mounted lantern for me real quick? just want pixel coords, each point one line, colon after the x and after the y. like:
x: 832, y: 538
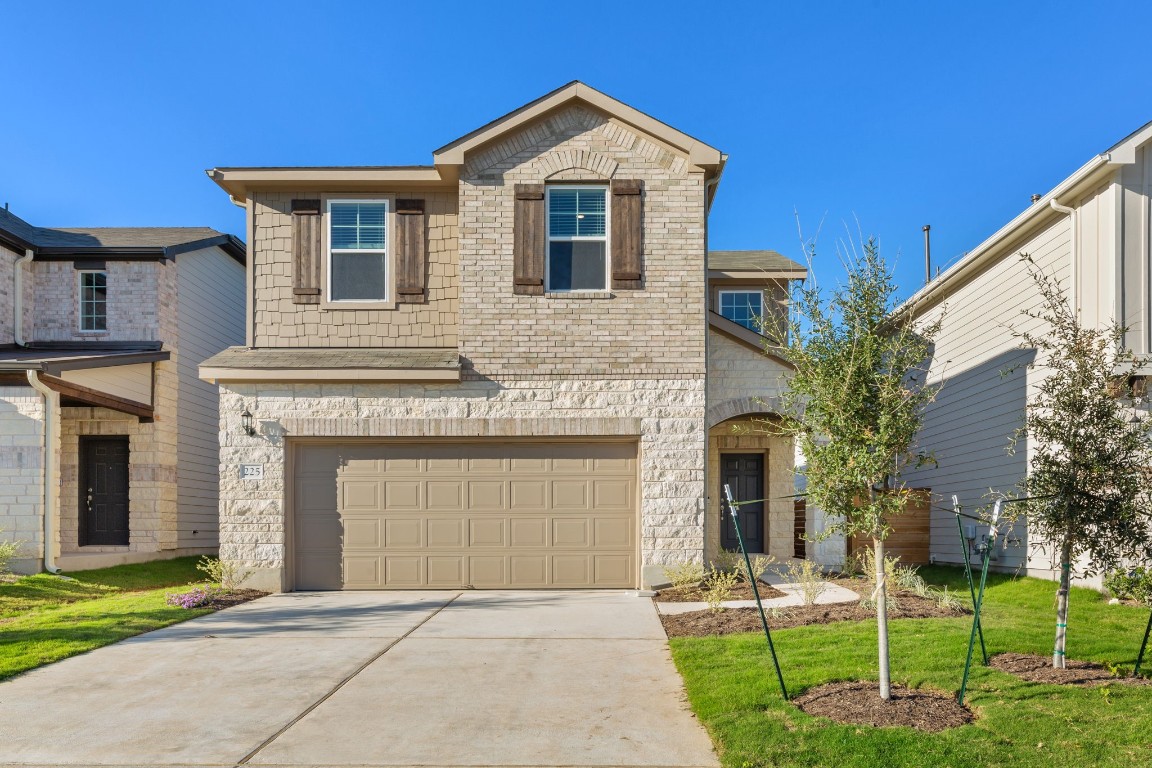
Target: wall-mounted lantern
x: 247, y: 423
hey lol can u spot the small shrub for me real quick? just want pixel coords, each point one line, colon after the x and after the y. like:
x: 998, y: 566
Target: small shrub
x: 8, y: 551
x: 728, y: 561
x: 945, y: 599
x: 227, y: 574
x: 761, y: 563
x: 808, y: 575
x: 1131, y: 584
x: 194, y: 598
x: 684, y: 575
x: 718, y: 588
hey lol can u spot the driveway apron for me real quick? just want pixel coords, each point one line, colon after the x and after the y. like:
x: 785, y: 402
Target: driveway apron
x: 370, y: 679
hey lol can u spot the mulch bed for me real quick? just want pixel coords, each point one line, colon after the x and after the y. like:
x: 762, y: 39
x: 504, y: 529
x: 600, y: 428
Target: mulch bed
x: 859, y: 703
x: 235, y: 598
x: 734, y: 620
x: 1038, y: 669
x: 696, y: 594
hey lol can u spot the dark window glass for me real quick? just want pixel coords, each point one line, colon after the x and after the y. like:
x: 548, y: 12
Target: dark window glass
x: 577, y: 265
x: 358, y: 277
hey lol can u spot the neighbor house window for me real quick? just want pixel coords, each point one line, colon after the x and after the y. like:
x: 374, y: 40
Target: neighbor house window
x: 577, y: 238
x: 93, y: 301
x: 357, y: 250
x: 743, y: 307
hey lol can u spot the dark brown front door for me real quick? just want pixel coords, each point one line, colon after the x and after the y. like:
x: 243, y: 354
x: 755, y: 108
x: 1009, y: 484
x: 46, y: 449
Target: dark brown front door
x: 744, y: 474
x: 103, y: 491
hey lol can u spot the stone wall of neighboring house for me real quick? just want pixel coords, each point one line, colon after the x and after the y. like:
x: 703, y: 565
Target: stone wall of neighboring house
x: 21, y: 473
x: 281, y: 323
x: 135, y: 300
x: 663, y: 414
x: 7, y: 295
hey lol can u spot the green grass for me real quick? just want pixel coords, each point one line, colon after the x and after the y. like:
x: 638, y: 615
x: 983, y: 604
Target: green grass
x: 732, y: 687
x: 45, y: 618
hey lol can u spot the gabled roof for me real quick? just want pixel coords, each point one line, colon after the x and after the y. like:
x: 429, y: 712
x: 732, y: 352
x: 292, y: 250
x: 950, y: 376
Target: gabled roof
x: 753, y: 261
x: 165, y: 242
x: 697, y: 151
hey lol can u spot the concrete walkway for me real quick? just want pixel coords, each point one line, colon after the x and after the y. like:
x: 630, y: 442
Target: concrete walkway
x: 370, y: 679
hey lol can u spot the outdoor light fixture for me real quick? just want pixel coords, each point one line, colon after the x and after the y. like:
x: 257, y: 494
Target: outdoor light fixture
x: 246, y: 422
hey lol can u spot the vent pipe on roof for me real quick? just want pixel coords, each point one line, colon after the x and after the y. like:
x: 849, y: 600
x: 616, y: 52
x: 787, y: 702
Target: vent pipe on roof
x: 927, y: 254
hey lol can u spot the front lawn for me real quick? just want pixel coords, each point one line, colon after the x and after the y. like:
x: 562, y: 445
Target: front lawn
x: 45, y: 618
x: 732, y: 687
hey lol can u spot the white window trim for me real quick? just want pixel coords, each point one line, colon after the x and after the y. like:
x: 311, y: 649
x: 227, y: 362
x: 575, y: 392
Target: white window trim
x: 758, y: 291
x: 388, y: 302
x: 80, y: 300
x: 606, y: 237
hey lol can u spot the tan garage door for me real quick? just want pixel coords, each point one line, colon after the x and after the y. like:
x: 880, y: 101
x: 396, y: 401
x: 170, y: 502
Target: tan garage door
x: 435, y: 516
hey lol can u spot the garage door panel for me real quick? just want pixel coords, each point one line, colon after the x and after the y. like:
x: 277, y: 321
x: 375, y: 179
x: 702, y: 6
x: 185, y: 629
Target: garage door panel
x: 445, y: 533
x: 362, y: 533
x: 488, y: 515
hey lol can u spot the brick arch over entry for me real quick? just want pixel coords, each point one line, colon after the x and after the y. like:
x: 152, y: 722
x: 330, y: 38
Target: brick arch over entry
x: 743, y: 406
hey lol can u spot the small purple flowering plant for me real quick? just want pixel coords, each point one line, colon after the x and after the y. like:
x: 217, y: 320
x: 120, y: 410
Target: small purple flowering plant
x: 194, y: 598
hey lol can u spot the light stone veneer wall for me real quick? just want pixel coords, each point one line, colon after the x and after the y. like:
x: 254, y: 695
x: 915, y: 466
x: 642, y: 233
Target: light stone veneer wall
x: 21, y: 473
x: 745, y: 386
x: 663, y: 415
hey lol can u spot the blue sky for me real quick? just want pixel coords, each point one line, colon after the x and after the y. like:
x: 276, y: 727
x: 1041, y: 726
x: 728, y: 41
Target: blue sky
x: 895, y: 114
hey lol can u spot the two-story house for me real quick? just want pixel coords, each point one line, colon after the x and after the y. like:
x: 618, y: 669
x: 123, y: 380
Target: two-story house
x: 1093, y: 232
x: 108, y: 446
x: 515, y: 367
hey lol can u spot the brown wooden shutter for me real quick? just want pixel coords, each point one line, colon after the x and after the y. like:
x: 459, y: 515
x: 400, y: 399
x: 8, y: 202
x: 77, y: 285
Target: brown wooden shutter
x: 529, y: 234
x: 410, y: 251
x: 627, y: 234
x: 306, y: 244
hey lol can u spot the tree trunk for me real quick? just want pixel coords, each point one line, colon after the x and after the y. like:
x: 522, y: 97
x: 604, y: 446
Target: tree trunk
x: 882, y: 619
x: 1062, y: 604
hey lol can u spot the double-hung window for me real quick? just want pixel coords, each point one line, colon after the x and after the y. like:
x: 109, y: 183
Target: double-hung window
x: 577, y: 238
x: 93, y: 301
x: 358, y: 250
x: 745, y: 308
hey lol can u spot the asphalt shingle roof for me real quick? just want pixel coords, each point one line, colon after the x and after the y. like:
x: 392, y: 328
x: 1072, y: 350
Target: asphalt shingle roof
x: 109, y: 238
x: 752, y: 261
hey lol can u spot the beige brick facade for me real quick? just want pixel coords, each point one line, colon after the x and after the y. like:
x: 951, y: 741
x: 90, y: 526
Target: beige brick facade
x: 22, y: 470
x: 135, y: 299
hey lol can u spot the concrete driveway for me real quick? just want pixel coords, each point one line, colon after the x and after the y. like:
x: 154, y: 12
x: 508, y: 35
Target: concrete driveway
x: 370, y: 679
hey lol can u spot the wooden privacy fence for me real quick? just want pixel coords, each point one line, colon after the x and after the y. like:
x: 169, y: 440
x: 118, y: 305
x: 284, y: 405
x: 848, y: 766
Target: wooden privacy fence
x: 911, y: 531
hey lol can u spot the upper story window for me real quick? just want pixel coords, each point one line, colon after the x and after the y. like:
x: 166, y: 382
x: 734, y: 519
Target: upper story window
x: 577, y: 238
x: 743, y: 307
x: 93, y: 301
x: 358, y: 250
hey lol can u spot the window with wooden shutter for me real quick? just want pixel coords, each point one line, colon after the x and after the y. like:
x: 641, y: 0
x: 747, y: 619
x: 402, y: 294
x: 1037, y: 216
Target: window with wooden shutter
x: 410, y: 251
x: 306, y: 245
x: 529, y: 234
x: 627, y: 234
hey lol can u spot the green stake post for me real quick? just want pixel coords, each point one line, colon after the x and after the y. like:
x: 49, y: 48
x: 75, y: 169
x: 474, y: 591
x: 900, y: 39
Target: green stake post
x: 1143, y: 647
x: 968, y: 574
x: 992, y: 533
x: 752, y: 578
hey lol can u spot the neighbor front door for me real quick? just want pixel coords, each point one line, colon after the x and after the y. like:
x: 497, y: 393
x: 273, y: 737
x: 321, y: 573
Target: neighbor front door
x: 744, y: 474
x: 103, y: 491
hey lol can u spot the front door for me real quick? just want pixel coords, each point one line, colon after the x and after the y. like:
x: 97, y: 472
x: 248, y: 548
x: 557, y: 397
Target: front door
x: 103, y: 491
x: 744, y: 474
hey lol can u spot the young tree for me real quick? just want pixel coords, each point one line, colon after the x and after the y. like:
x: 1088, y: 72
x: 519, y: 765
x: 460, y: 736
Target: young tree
x: 855, y: 405
x: 1088, y: 485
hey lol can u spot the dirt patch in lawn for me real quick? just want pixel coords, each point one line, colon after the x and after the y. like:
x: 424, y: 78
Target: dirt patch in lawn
x: 1038, y: 669
x: 734, y: 620
x: 859, y: 703
x: 696, y: 594
x: 234, y: 598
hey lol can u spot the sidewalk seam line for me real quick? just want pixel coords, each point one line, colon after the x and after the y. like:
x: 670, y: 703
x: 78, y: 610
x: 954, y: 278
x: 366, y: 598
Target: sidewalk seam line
x: 244, y: 760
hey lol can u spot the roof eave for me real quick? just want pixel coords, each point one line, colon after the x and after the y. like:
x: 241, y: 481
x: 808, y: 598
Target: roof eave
x: 239, y: 182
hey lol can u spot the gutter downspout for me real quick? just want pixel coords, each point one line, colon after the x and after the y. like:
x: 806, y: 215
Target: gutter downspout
x: 50, y: 465
x: 18, y: 288
x: 1075, y: 267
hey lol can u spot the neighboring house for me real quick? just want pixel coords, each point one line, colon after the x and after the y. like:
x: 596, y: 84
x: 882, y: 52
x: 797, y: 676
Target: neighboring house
x: 511, y: 368
x: 1093, y: 232
x: 108, y: 445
